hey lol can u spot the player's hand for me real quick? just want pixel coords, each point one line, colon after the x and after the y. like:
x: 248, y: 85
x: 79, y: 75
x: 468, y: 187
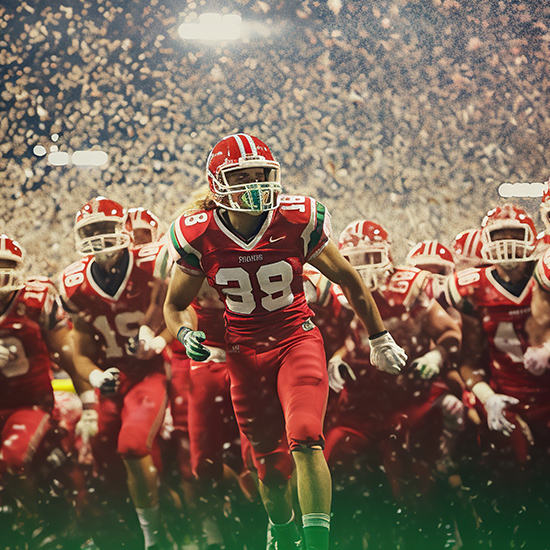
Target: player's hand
x: 107, y: 381
x: 4, y: 356
x: 338, y: 372
x: 386, y: 355
x: 537, y: 359
x: 86, y: 427
x: 494, y: 407
x: 192, y: 341
x: 429, y: 365
x: 146, y: 345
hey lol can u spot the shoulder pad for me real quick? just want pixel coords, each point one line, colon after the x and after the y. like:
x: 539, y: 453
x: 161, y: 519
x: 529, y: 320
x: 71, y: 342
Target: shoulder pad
x: 463, y: 284
x: 154, y: 258
x: 183, y: 233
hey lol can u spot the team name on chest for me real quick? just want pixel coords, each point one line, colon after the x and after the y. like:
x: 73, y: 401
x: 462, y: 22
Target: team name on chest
x: 251, y: 258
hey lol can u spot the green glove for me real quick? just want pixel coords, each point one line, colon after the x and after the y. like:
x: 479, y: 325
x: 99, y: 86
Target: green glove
x: 192, y: 339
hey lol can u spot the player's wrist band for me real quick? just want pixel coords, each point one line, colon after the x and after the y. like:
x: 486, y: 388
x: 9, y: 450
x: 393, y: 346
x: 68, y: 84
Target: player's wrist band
x: 378, y: 334
x: 183, y: 332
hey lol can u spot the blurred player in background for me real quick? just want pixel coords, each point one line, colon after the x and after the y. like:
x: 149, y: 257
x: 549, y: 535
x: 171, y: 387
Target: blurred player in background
x: 34, y: 334
x: 398, y: 422
x: 111, y: 295
x: 495, y: 304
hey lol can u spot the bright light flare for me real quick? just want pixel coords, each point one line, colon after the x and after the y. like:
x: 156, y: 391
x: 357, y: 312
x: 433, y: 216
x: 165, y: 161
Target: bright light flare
x: 90, y: 158
x: 212, y: 26
x: 58, y: 158
x: 521, y: 189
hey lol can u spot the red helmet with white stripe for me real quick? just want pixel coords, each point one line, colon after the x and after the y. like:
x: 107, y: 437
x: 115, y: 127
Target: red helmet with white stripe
x: 100, y: 226
x: 508, y: 235
x: 366, y: 245
x: 258, y: 191
x: 467, y: 249
x: 12, y: 257
x: 431, y: 256
x: 143, y: 219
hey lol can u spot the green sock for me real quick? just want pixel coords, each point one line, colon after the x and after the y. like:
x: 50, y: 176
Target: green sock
x: 285, y: 533
x: 316, y: 531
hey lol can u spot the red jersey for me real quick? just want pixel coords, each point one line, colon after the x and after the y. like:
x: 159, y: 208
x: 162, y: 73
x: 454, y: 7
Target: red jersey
x: 209, y: 309
x: 116, y: 318
x: 476, y: 291
x: 260, y: 281
x: 25, y: 380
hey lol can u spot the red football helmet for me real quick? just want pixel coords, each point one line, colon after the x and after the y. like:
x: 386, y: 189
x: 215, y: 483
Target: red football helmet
x: 236, y: 152
x: 467, y: 248
x: 141, y: 218
x: 11, y: 273
x: 518, y: 242
x: 431, y: 256
x: 545, y: 206
x: 366, y: 245
x: 100, y: 227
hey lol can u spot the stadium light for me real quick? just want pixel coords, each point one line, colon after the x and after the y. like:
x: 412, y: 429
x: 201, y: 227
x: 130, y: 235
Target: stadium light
x: 90, y: 158
x: 521, y: 189
x: 212, y: 26
x: 78, y: 158
x: 58, y: 158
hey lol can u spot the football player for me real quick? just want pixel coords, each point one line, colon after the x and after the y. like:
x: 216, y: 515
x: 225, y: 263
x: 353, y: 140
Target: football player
x: 401, y: 422
x: 112, y: 296
x: 34, y: 333
x: 495, y: 304
x: 250, y: 243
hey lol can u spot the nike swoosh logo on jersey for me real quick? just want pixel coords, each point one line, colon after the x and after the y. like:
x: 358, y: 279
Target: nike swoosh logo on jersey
x: 272, y: 240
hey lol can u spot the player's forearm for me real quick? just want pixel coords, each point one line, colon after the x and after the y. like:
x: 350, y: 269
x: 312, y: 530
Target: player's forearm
x: 364, y: 306
x: 175, y: 318
x: 448, y: 343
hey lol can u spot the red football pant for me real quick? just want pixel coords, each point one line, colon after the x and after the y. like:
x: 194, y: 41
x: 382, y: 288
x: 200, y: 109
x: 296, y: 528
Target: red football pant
x: 280, y: 399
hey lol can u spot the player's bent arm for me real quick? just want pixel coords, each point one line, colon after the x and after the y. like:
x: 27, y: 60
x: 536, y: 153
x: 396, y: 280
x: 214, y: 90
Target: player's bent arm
x: 182, y: 290
x: 473, y: 355
x: 444, y: 331
x: 84, y: 347
x: 336, y: 268
x: 59, y: 343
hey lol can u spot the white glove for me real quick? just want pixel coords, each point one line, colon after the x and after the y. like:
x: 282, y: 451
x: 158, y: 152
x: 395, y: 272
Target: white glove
x: 537, y: 359
x: 106, y: 381
x: 429, y: 365
x: 386, y: 355
x: 338, y: 371
x: 495, y: 406
x: 4, y: 356
x: 86, y: 427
